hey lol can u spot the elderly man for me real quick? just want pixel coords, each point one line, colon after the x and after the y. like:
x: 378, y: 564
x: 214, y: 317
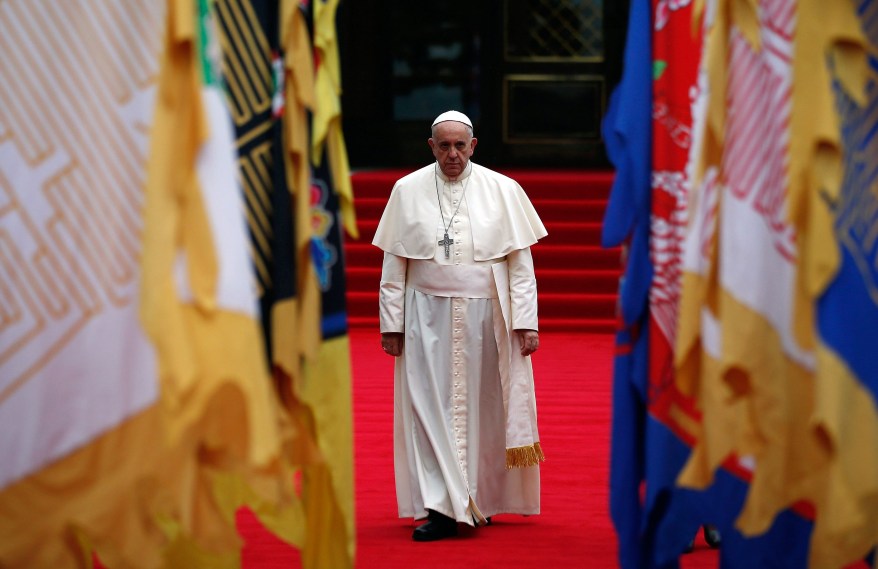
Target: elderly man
x: 458, y: 311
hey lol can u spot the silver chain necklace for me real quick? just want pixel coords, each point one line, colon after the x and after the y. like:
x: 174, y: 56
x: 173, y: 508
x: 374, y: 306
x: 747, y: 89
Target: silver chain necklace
x: 446, y: 241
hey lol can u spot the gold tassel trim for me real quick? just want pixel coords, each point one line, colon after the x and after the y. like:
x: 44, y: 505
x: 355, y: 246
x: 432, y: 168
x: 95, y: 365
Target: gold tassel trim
x: 521, y: 457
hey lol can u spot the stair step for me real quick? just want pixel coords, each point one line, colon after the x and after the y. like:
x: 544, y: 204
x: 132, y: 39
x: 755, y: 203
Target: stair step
x: 361, y: 253
x: 367, y: 231
x: 588, y: 232
x: 570, y: 209
x: 601, y: 281
x: 607, y: 325
x: 557, y: 304
x: 551, y: 211
x: 363, y: 278
x: 573, y: 232
x: 370, y: 207
x: 536, y: 184
x: 577, y: 325
x: 562, y: 184
x: 576, y: 305
x: 578, y: 257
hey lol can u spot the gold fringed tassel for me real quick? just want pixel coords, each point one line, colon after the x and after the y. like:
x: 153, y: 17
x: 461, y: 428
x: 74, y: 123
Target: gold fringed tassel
x: 520, y: 457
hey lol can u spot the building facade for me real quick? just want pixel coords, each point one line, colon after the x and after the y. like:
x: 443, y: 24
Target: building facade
x: 533, y: 75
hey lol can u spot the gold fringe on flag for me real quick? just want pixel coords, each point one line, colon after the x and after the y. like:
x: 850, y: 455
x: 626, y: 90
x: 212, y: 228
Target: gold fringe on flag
x: 521, y: 457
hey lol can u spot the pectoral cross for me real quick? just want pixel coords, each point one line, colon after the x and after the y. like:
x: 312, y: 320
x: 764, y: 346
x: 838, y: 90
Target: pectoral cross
x: 447, y: 243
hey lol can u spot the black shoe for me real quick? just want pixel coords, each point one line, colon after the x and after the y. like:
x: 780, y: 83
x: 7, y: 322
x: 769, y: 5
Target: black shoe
x: 712, y: 537
x: 438, y: 527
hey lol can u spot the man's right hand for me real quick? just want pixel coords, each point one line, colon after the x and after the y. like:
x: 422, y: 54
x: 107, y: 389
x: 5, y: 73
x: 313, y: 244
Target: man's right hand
x: 391, y: 343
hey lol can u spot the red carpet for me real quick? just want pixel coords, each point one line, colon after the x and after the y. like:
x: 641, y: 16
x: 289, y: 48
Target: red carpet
x: 577, y: 278
x: 574, y: 531
x: 577, y: 282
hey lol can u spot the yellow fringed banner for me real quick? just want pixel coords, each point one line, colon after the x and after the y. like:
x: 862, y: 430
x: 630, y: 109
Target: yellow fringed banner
x: 521, y: 457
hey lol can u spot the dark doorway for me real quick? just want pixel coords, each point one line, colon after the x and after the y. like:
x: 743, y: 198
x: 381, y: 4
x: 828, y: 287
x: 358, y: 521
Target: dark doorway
x: 533, y: 75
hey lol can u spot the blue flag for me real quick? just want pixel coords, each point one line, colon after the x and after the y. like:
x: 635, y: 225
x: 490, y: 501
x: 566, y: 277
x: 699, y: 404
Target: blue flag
x: 627, y: 134
x: 848, y: 310
x: 847, y: 320
x: 653, y: 517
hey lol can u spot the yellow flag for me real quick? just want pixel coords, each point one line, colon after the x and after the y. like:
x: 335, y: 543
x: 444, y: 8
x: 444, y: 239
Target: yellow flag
x: 136, y: 354
x: 761, y: 390
x: 327, y: 132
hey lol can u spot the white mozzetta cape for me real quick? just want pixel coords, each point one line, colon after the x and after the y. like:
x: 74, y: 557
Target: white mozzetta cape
x: 502, y: 217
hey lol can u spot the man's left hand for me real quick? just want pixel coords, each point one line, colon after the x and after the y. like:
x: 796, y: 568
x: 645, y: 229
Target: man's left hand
x: 529, y: 340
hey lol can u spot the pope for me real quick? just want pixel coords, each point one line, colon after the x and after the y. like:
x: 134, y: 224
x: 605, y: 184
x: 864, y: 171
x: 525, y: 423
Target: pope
x: 458, y: 311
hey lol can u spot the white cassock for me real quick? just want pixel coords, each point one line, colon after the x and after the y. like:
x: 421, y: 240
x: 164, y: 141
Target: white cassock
x: 465, y: 434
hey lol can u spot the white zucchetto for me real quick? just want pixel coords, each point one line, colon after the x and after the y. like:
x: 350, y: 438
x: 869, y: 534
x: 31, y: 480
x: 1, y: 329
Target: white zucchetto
x: 453, y: 116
